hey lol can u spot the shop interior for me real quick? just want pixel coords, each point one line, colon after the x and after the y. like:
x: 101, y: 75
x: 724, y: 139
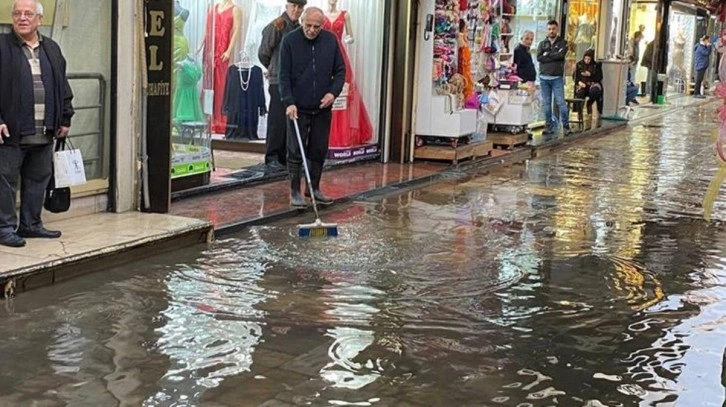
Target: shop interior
x: 682, y: 24
x: 643, y: 18
x: 221, y: 90
x: 581, y: 35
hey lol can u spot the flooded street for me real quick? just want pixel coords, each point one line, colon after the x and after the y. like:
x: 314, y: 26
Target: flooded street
x: 584, y: 278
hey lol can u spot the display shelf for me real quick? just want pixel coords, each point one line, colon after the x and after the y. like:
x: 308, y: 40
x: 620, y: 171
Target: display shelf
x: 508, y: 141
x: 454, y: 154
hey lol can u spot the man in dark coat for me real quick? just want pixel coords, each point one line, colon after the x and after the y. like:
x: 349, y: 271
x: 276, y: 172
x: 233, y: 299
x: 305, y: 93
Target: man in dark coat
x: 312, y: 75
x: 269, y: 55
x: 35, y: 107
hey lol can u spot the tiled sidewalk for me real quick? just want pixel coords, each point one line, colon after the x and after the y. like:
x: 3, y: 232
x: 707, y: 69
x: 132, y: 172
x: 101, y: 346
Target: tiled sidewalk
x: 95, y: 237
x: 248, y: 204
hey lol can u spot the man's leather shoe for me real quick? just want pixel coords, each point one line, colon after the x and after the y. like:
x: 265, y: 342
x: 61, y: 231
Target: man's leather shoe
x: 319, y: 197
x: 12, y: 240
x: 40, y: 232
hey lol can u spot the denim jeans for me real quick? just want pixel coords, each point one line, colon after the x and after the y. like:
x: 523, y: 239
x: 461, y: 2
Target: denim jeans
x: 554, y: 87
x: 34, y: 165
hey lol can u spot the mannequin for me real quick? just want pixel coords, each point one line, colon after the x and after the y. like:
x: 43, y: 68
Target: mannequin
x: 679, y: 44
x: 187, y: 107
x: 351, y: 125
x: 181, y: 45
x: 220, y: 39
x: 585, y: 35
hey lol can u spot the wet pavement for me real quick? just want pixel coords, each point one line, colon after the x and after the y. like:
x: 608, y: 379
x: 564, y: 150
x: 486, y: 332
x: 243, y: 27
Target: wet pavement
x: 584, y: 278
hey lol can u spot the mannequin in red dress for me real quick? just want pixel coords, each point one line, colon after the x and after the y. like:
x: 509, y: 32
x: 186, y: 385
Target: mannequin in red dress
x: 220, y: 39
x: 351, y: 125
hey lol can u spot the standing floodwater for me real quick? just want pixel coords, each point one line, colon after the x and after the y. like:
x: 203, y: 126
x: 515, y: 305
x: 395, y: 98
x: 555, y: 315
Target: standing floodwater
x: 586, y: 278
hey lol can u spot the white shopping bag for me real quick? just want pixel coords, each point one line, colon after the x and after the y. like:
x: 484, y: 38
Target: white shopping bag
x: 68, y: 168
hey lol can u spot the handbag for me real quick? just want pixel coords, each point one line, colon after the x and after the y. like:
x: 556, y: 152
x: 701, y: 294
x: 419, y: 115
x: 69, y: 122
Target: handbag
x: 57, y: 200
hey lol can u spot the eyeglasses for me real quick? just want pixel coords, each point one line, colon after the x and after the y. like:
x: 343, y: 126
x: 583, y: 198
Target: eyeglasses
x: 27, y: 14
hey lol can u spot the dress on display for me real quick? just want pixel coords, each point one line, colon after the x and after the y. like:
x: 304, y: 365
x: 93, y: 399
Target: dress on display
x: 216, y: 42
x: 244, y: 102
x: 187, y: 107
x: 181, y: 45
x: 351, y: 125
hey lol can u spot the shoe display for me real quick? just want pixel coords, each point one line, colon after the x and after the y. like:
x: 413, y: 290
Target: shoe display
x: 12, y: 240
x: 40, y: 232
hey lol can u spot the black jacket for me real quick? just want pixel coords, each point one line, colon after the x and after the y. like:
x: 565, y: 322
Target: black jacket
x: 269, y: 51
x: 309, y: 69
x: 595, y: 69
x: 14, y: 70
x: 525, y: 65
x: 551, y: 57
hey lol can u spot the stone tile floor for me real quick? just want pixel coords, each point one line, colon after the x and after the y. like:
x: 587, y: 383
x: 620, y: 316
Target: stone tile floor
x: 93, y: 235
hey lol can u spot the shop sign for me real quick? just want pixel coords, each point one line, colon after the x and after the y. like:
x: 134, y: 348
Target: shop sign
x: 158, y: 43
x: 352, y: 152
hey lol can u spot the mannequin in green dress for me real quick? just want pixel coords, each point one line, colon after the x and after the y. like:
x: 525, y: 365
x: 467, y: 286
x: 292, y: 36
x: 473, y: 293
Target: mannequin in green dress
x: 181, y: 45
x: 187, y: 107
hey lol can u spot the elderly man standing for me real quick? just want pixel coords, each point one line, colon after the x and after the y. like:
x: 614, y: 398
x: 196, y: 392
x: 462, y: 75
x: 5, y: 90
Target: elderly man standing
x: 269, y: 54
x: 312, y: 75
x: 523, y: 58
x: 35, y: 107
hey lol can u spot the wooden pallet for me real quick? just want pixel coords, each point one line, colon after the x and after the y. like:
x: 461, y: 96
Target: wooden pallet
x: 508, y: 141
x: 448, y: 153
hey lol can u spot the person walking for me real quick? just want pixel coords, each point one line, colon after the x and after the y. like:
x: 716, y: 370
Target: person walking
x: 269, y: 54
x: 702, y: 53
x: 311, y: 76
x: 35, y: 107
x: 523, y: 59
x: 551, y: 57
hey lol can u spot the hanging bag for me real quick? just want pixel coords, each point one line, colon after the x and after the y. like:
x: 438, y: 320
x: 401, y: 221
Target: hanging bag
x: 57, y: 200
x: 68, y: 166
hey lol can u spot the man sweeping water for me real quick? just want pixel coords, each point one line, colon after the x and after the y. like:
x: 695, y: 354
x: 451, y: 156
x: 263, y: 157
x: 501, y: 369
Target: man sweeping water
x: 311, y: 76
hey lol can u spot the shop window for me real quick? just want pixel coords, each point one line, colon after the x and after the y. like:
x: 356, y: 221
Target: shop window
x: 204, y: 31
x: 533, y: 15
x: 82, y: 28
x: 580, y: 34
x: 681, y: 25
x: 643, y: 18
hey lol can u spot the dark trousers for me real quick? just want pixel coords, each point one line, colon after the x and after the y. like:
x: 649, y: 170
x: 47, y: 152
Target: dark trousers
x: 699, y: 81
x: 275, y: 147
x: 315, y: 134
x: 593, y: 94
x: 34, y: 164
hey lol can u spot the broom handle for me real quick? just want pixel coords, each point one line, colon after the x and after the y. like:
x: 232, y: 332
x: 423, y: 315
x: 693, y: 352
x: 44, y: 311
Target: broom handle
x: 305, y: 166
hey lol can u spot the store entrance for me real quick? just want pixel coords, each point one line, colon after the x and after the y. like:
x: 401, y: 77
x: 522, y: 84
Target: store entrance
x: 224, y: 127
x: 644, y: 19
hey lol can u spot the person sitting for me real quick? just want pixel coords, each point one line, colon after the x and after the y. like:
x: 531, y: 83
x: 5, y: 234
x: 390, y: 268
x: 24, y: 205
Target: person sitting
x: 631, y: 91
x: 588, y: 81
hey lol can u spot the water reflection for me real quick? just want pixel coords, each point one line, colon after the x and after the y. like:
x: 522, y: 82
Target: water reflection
x: 210, y: 328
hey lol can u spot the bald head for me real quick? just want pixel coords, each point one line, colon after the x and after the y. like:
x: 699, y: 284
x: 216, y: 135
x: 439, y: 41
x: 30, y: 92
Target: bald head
x: 312, y: 22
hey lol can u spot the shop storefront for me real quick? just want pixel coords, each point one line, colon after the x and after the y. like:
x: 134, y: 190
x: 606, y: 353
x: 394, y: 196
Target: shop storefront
x: 221, y: 89
x: 464, y: 98
x: 682, y: 28
x: 89, y: 69
x: 644, y: 19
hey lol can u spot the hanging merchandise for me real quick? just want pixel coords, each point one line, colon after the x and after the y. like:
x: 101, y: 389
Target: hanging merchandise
x: 244, y: 102
x: 445, y: 40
